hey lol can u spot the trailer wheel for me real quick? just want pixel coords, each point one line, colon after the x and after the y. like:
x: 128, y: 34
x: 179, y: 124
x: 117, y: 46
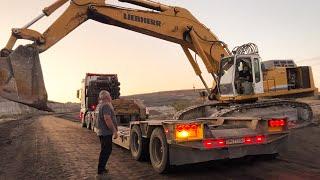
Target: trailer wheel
x: 159, y: 151
x: 138, y: 145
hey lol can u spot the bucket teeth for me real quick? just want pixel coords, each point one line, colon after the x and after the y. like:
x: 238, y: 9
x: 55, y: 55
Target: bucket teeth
x: 21, y: 78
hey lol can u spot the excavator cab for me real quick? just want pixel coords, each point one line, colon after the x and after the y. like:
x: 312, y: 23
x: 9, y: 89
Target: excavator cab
x: 241, y: 75
x: 21, y: 78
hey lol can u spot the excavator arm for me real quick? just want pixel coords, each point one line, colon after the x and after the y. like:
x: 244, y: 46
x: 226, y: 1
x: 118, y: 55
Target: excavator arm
x: 174, y: 24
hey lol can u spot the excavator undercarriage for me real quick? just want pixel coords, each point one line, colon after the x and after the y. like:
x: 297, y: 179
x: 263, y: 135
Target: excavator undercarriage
x: 297, y: 113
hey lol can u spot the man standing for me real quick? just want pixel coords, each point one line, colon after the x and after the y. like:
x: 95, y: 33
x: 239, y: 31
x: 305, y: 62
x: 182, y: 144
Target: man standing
x: 106, y: 127
x: 245, y: 74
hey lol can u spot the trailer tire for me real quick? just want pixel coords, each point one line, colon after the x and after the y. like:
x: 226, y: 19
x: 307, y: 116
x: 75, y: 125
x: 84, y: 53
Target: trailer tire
x: 138, y: 144
x: 159, y: 151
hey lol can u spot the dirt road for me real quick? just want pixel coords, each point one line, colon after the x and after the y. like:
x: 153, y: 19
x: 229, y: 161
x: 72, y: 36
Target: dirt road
x: 49, y: 147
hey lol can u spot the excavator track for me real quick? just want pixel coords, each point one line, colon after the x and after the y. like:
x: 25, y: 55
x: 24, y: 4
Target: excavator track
x: 299, y: 114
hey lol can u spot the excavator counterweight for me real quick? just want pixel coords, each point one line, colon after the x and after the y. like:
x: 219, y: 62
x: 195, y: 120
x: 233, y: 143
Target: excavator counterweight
x: 21, y: 78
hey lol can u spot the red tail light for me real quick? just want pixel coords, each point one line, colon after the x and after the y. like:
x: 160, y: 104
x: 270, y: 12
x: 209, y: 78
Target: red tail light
x: 219, y: 143
x: 208, y: 143
x: 260, y: 139
x: 248, y: 140
x: 80, y: 115
x: 166, y: 130
x: 214, y: 143
x: 187, y: 127
x: 255, y: 139
x: 277, y: 122
x: 93, y: 107
x: 276, y: 125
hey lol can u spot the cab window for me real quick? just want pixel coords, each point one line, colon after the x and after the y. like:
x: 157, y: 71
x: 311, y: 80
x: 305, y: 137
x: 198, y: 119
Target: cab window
x: 256, y: 65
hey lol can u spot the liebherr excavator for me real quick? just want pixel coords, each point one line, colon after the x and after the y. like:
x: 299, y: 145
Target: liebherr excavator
x: 21, y: 77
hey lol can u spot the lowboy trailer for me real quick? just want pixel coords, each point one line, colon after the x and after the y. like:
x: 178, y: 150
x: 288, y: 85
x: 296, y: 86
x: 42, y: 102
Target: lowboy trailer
x: 178, y: 142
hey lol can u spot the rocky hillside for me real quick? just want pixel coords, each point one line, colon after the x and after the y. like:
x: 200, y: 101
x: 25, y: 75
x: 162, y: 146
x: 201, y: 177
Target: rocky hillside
x: 168, y: 98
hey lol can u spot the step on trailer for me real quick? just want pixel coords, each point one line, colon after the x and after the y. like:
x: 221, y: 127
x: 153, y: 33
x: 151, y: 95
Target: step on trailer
x: 178, y: 142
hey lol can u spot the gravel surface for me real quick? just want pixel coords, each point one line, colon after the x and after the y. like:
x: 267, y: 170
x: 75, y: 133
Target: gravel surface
x: 49, y: 147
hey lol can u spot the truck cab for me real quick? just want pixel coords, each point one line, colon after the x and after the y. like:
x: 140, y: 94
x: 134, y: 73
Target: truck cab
x: 88, y: 95
x: 126, y: 110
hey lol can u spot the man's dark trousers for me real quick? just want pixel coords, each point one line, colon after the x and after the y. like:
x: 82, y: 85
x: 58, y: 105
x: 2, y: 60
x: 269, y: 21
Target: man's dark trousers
x: 106, y: 149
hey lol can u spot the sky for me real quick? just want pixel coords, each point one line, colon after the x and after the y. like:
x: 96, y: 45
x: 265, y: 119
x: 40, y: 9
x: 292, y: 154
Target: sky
x: 282, y: 29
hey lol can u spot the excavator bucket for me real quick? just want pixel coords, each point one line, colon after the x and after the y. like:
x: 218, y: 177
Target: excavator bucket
x: 21, y: 78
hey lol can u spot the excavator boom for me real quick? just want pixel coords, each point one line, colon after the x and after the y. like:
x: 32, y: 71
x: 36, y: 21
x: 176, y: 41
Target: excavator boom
x: 174, y: 24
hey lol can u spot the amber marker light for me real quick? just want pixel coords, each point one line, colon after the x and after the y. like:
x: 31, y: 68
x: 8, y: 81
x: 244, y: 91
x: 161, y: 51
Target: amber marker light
x: 186, y: 132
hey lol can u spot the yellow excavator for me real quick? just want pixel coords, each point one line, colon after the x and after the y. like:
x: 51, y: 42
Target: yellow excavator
x: 239, y: 75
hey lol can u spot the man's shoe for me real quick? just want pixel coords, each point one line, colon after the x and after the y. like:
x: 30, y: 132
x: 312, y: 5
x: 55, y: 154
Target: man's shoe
x: 102, y: 176
x: 106, y: 171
